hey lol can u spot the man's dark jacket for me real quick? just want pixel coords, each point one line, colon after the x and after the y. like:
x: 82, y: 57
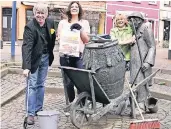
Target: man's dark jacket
x: 33, y: 44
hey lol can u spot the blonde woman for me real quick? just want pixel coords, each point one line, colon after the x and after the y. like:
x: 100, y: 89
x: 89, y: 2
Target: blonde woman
x: 123, y: 32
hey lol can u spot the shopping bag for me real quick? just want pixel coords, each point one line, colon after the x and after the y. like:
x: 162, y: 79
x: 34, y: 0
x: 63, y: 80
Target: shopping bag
x: 69, y: 43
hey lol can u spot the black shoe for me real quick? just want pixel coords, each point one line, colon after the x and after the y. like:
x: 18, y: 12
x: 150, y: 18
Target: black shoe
x: 30, y: 120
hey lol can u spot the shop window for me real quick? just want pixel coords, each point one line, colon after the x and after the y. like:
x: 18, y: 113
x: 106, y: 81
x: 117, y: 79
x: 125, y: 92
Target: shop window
x: 29, y: 15
x: 167, y: 3
x: 166, y: 32
x: 7, y: 11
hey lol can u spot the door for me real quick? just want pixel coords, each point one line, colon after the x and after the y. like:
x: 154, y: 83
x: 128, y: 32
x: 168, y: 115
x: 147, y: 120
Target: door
x: 6, y: 24
x: 166, y: 30
x: 6, y: 28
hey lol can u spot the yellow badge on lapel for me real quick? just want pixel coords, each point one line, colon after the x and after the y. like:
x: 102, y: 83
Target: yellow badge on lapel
x: 52, y: 31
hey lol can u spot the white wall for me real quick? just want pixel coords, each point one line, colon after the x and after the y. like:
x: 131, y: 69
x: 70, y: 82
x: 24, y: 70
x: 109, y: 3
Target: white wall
x: 165, y: 14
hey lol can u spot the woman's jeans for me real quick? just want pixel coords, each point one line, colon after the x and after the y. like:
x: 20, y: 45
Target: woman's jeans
x: 36, y: 87
x: 75, y: 62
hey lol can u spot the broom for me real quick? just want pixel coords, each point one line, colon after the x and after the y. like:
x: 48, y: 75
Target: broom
x: 144, y: 123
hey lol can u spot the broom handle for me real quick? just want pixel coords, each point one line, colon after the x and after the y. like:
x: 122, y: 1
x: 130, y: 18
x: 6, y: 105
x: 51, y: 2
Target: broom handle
x: 136, y: 38
x: 135, y: 99
x: 27, y: 94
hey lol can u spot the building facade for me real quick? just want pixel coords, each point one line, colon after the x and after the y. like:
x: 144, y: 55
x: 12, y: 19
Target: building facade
x: 6, y: 19
x: 165, y: 21
x: 150, y: 10
x: 165, y: 25
x: 94, y: 12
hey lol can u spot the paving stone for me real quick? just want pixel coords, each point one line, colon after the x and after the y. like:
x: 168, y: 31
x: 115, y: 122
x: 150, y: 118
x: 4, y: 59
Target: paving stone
x: 13, y: 113
x: 12, y: 119
x: 14, y: 83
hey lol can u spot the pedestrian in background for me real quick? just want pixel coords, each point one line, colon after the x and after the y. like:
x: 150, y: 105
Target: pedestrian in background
x: 73, y: 22
x: 37, y: 54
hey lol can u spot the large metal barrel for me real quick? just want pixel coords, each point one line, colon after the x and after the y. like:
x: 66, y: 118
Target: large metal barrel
x: 107, y: 60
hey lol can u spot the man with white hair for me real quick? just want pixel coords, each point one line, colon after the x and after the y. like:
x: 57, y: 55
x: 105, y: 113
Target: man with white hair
x: 37, y: 54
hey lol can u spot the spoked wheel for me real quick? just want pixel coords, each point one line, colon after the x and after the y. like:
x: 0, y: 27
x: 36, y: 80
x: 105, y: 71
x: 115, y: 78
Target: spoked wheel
x: 81, y: 110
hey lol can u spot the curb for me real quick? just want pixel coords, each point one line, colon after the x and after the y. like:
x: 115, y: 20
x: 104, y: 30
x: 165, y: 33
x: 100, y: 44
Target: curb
x: 162, y: 70
x: 21, y: 91
x: 17, y: 70
x: 19, y: 64
x: 56, y: 90
x: 6, y: 65
x: 160, y: 95
x: 158, y: 80
x: 13, y: 95
x: 18, y: 92
x: 4, y: 72
x: 166, y: 80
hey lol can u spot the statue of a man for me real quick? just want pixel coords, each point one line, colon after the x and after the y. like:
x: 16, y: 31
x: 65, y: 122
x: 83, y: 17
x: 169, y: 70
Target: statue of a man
x: 142, y: 58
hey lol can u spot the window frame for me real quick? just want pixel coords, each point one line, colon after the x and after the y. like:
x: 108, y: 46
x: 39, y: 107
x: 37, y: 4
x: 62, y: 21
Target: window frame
x: 167, y: 5
x: 29, y: 9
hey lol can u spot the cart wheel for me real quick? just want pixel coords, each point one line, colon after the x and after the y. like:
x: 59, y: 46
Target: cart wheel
x: 81, y: 110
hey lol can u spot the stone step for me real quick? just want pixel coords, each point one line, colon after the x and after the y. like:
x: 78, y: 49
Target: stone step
x: 55, y: 66
x: 161, y: 91
x: 162, y: 79
x: 163, y: 70
x: 10, y: 64
x: 55, y: 72
x: 12, y: 85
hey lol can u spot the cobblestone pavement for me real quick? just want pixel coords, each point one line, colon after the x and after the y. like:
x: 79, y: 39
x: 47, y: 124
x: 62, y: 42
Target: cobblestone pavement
x: 54, y: 82
x: 13, y: 113
x: 13, y: 82
x: 10, y: 83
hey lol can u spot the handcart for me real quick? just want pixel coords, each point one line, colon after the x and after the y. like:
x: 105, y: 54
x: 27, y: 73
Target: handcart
x: 84, y: 108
